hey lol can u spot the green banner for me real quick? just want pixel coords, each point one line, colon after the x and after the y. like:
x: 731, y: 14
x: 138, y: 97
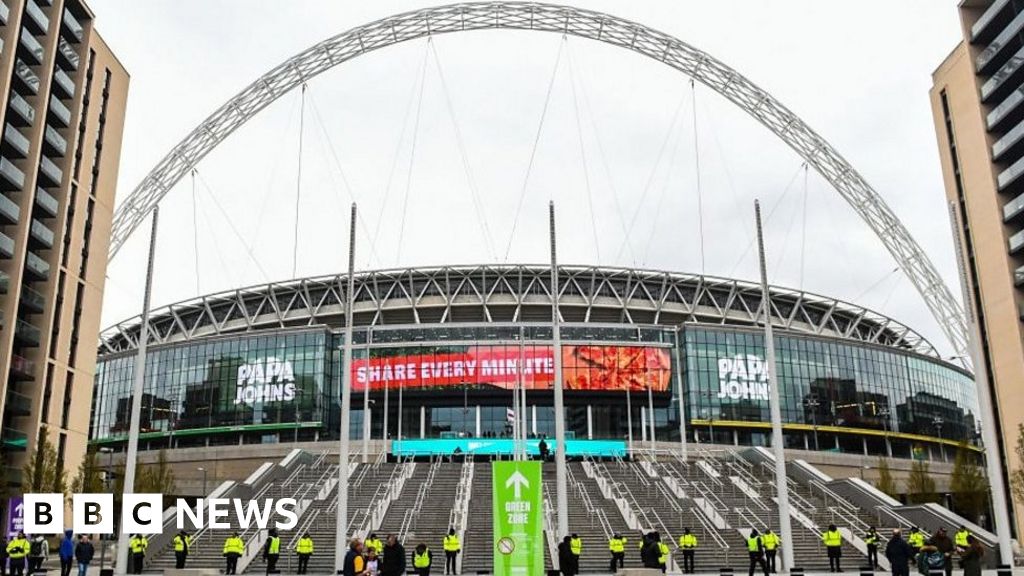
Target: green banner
x: 518, y: 519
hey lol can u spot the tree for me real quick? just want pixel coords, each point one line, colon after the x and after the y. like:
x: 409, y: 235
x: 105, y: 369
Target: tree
x: 1017, y: 476
x: 156, y: 478
x: 43, y: 473
x: 920, y: 485
x: 89, y: 478
x: 968, y: 485
x: 885, y: 482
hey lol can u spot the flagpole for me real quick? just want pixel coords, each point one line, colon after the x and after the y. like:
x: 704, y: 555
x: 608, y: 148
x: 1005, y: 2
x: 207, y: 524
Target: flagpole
x: 781, y: 486
x: 138, y: 386
x: 341, y: 524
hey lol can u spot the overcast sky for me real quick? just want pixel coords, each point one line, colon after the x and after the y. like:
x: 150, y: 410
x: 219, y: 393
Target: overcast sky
x: 616, y: 150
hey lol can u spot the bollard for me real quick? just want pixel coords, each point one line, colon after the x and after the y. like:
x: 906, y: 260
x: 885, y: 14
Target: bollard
x: 725, y: 572
x: 796, y: 572
x: 867, y: 571
x: 1004, y: 570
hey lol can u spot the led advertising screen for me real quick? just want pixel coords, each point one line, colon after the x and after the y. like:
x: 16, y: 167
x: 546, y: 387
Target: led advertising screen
x: 595, y: 368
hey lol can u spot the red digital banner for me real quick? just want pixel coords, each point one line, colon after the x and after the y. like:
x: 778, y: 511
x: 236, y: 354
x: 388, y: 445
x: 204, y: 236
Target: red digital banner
x: 603, y: 368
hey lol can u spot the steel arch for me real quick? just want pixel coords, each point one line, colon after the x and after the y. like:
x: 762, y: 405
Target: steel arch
x: 576, y: 22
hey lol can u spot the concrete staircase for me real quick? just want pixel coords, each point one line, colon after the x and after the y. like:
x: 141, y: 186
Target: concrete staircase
x: 477, y: 542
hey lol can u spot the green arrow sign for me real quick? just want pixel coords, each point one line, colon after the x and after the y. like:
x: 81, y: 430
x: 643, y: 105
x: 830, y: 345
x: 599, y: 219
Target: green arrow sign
x: 518, y: 519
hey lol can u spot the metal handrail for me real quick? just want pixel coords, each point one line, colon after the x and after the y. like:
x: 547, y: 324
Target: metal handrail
x: 710, y: 528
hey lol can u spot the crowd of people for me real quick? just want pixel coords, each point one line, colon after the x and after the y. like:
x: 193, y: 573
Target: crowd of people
x: 22, y: 555
x: 940, y: 552
x: 373, y: 557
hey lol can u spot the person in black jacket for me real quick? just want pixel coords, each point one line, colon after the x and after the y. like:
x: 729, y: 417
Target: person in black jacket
x: 84, y: 552
x: 899, y: 553
x: 567, y: 562
x: 393, y: 563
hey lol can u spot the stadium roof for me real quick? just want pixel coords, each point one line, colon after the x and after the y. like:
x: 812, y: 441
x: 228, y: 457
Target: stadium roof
x: 511, y: 293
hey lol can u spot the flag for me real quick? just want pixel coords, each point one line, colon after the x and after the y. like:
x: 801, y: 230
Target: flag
x: 510, y: 415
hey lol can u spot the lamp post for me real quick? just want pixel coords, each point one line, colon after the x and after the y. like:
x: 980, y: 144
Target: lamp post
x: 884, y: 412
x: 813, y: 404
x: 106, y: 487
x: 937, y: 422
x: 203, y: 470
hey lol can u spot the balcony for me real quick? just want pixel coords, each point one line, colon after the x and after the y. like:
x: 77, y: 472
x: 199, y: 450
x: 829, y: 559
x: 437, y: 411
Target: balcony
x: 14, y: 439
x: 32, y: 300
x: 24, y: 113
x: 67, y: 54
x: 36, y: 266
x: 1005, y: 43
x: 36, y: 20
x: 52, y: 174
x: 1018, y: 276
x: 39, y: 236
x: 5, y: 13
x: 64, y: 84
x: 17, y: 404
x: 27, y: 334
x: 6, y: 246
x: 10, y: 213
x: 1016, y: 242
x: 54, y: 143
x: 11, y: 177
x: 31, y: 49
x: 1001, y: 83
x: 27, y: 78
x: 59, y: 112
x: 22, y: 368
x: 17, y: 144
x: 73, y: 27
x: 5, y: 282
x: 984, y: 28
x: 47, y: 204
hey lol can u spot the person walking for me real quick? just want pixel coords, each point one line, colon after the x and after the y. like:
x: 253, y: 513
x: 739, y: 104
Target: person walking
x: 452, y: 547
x: 688, y: 542
x: 617, y: 548
x: 915, y: 539
x: 137, y: 546
x: 66, y: 552
x: 272, y: 551
x: 833, y: 541
x: 755, y: 547
x: 182, y: 544
x: 422, y: 558
x: 900, y: 554
x: 393, y: 560
x: 568, y: 563
x: 353, y: 564
x: 234, y: 547
x: 942, y: 543
x: 871, y: 540
x: 84, y: 551
x: 304, y: 548
x: 971, y: 556
x: 771, y: 542
x: 17, y: 550
x: 38, y: 551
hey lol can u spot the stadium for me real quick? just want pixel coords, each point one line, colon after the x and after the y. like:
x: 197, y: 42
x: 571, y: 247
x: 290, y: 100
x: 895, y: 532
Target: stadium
x: 235, y: 377
x: 665, y: 379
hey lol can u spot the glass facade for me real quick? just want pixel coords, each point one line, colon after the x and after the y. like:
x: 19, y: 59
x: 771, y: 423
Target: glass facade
x: 443, y: 381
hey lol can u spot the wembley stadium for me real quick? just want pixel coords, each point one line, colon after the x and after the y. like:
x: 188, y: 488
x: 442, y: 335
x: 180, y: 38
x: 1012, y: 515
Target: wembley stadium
x: 440, y: 350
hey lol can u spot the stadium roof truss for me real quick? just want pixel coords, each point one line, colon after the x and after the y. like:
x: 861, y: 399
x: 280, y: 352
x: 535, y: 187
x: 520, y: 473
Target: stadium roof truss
x: 488, y: 294
x: 567, y: 20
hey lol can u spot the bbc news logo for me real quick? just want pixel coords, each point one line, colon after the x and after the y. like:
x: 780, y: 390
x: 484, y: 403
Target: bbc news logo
x: 143, y: 513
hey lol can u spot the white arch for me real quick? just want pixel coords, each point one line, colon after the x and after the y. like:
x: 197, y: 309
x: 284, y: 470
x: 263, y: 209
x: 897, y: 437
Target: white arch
x: 577, y: 22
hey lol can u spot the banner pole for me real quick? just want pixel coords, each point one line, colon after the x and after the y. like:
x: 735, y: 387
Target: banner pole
x: 341, y: 524
x: 561, y: 487
x: 138, y: 386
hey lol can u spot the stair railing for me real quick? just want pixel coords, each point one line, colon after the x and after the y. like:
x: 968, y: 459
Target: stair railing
x: 709, y: 529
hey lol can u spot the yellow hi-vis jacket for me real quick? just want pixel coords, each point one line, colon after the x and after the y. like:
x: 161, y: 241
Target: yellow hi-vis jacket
x: 662, y: 553
x: 915, y: 539
x: 421, y: 560
x: 771, y: 541
x: 832, y: 538
x: 688, y: 541
x: 754, y: 545
x: 617, y: 544
x: 234, y: 545
x: 576, y: 546
x: 274, y: 545
x: 182, y: 544
x: 374, y: 544
x: 960, y: 538
x: 871, y: 538
x: 304, y: 546
x: 138, y: 545
x: 17, y: 548
x: 451, y: 543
